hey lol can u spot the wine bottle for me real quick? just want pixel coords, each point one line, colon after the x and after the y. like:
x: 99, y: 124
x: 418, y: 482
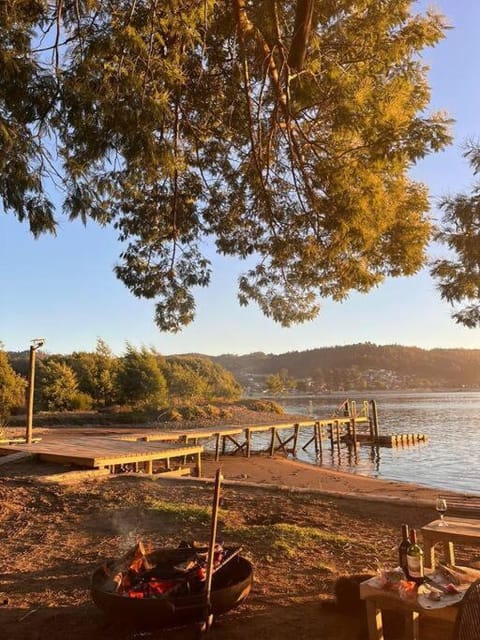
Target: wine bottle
x: 415, y: 559
x: 402, y: 550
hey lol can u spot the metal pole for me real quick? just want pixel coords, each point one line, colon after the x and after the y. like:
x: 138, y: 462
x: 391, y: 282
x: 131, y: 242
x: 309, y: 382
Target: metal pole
x: 31, y: 386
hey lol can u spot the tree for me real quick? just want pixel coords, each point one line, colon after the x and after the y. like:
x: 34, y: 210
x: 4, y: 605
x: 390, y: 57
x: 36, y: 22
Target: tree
x: 199, y: 378
x: 96, y: 373
x: 274, y: 384
x: 279, y: 382
x: 139, y: 379
x: 12, y: 388
x: 58, y: 386
x: 284, y: 131
x: 459, y: 276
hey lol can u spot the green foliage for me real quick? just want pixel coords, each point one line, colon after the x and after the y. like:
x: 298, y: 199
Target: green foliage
x: 199, y: 379
x: 81, y: 402
x: 194, y: 412
x: 274, y: 384
x: 264, y: 406
x: 139, y: 379
x: 182, y: 512
x: 96, y: 373
x: 57, y: 386
x: 459, y: 276
x: 12, y: 388
x: 182, y: 122
x: 279, y: 382
x: 285, y: 539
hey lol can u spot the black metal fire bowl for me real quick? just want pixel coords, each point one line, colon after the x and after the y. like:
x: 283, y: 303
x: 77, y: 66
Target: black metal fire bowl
x: 230, y: 586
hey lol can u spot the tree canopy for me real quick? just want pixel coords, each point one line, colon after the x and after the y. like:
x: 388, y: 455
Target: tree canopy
x: 458, y: 275
x: 281, y: 130
x: 12, y: 388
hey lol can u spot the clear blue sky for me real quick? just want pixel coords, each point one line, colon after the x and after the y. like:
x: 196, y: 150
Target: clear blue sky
x: 64, y: 289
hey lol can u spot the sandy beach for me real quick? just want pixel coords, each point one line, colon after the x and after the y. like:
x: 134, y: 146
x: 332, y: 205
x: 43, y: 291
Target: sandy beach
x: 280, y: 471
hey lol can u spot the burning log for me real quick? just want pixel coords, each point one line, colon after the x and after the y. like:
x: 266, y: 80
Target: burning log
x: 141, y: 575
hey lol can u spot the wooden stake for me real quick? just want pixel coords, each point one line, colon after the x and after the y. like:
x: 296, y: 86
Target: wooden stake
x: 211, y: 545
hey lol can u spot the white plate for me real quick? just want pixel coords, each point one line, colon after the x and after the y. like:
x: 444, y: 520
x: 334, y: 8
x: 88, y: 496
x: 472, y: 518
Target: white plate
x: 446, y: 599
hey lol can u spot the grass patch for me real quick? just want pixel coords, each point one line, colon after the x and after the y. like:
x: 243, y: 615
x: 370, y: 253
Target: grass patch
x: 285, y: 539
x: 191, y: 513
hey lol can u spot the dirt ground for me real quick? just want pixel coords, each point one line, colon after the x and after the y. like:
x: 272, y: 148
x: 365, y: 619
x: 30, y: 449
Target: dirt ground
x: 301, y: 526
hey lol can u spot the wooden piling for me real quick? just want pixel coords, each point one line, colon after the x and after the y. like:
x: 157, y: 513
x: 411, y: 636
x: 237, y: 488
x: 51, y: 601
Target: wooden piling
x: 272, y: 442
x: 373, y: 404
x: 319, y: 438
x: 296, y: 428
x: 330, y: 427
x: 248, y: 437
x: 337, y: 432
x: 354, y: 430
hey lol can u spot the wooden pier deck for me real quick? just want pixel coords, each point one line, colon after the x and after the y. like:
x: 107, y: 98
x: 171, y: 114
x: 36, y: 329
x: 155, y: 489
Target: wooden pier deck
x: 104, y: 451
x: 345, y: 427
x: 241, y: 438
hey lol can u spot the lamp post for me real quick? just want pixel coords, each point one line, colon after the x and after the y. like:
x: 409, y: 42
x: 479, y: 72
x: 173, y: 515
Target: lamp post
x: 36, y: 344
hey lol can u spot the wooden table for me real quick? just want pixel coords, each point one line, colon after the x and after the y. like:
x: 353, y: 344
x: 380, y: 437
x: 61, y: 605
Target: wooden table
x: 460, y: 530
x: 377, y: 599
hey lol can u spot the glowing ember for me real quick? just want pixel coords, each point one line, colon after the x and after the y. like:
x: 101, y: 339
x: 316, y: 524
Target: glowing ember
x: 135, y: 576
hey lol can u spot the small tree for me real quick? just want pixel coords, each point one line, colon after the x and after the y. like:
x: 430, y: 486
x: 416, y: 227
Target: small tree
x: 274, y: 384
x: 58, y: 386
x: 459, y: 277
x: 96, y: 373
x: 12, y: 388
x: 139, y: 379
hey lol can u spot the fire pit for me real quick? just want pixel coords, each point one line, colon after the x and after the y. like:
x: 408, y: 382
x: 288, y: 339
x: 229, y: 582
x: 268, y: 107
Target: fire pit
x: 167, y: 587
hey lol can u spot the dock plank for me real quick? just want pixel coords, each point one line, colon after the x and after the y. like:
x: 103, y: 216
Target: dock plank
x: 93, y: 451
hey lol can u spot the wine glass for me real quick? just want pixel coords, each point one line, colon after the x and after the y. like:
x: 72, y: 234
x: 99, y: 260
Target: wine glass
x: 441, y: 507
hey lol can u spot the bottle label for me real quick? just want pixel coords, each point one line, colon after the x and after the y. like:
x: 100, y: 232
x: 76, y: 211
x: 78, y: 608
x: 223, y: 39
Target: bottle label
x: 415, y: 566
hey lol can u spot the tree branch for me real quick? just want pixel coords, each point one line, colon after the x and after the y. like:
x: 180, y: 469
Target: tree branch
x: 301, y: 34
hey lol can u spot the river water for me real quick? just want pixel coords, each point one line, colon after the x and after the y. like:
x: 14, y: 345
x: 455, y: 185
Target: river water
x: 450, y: 459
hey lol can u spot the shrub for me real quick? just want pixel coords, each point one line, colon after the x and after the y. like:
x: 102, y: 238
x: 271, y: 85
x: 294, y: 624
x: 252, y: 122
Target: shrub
x: 81, y: 402
x: 267, y: 406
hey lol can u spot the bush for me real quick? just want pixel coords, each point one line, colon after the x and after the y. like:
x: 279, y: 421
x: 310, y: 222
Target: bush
x: 81, y: 402
x: 264, y: 406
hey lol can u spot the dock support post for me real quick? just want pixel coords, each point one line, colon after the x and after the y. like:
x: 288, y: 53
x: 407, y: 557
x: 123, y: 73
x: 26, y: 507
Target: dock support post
x: 295, y: 438
x: 199, y: 465
x: 373, y: 404
x: 354, y: 431
x: 319, y: 439
x: 330, y: 427
x: 337, y: 432
x: 315, y: 437
x: 272, y: 442
x: 217, y: 447
x: 248, y: 437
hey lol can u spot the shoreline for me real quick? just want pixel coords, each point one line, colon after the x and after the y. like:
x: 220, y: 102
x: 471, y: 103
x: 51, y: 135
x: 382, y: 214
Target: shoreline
x: 284, y: 473
x: 277, y: 472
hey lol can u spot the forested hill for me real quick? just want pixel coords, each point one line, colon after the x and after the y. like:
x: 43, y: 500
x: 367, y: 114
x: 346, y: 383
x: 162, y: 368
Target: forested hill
x: 364, y: 365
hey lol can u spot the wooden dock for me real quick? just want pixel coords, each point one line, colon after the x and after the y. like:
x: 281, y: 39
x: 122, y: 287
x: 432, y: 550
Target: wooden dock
x: 346, y: 427
x: 107, y: 452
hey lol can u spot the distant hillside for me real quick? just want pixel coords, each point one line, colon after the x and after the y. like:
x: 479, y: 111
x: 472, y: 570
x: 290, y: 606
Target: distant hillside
x: 364, y: 365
